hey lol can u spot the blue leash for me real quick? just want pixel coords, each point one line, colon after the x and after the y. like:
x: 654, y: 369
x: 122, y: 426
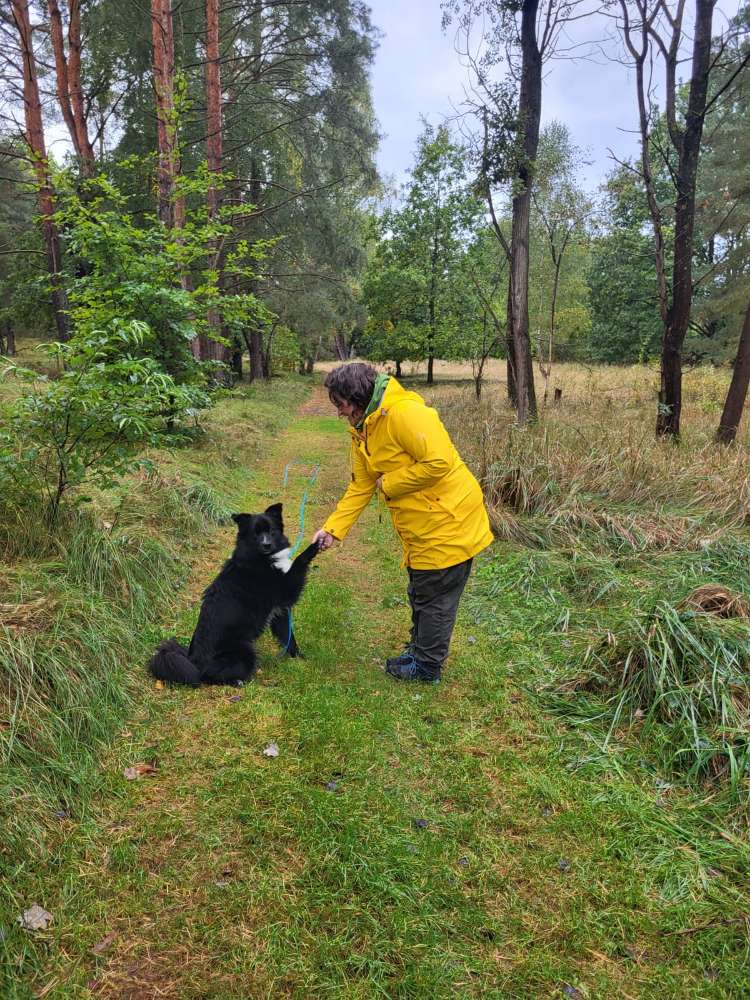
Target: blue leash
x: 303, y: 504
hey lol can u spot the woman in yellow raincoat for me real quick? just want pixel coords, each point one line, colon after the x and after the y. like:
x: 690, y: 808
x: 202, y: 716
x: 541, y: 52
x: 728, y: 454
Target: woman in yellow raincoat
x: 400, y: 446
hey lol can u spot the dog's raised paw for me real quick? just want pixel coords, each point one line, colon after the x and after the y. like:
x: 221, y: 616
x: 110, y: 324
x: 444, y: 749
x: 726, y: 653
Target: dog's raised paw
x: 282, y: 560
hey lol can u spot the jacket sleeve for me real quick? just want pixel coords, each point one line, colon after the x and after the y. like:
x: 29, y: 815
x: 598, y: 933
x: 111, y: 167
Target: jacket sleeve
x: 354, y: 501
x: 420, y: 432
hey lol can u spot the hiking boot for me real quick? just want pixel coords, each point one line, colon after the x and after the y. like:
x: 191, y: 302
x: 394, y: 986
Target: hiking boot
x: 413, y: 670
x: 396, y: 661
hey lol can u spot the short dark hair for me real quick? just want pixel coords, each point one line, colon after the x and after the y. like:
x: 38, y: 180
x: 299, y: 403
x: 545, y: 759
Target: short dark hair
x: 352, y: 383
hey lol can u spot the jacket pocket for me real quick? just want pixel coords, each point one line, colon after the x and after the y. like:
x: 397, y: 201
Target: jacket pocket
x: 458, y: 503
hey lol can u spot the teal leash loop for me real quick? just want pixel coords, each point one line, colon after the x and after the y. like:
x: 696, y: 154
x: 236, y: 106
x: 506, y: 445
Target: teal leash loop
x: 303, y: 504
x: 311, y: 479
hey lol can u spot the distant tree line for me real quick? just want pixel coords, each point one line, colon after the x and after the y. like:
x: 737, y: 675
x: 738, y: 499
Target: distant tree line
x: 236, y: 142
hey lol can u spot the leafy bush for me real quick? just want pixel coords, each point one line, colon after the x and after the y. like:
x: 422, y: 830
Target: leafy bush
x: 89, y: 424
x: 139, y: 298
x: 133, y: 268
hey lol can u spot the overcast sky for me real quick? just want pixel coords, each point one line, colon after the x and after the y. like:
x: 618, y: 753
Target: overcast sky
x: 417, y: 72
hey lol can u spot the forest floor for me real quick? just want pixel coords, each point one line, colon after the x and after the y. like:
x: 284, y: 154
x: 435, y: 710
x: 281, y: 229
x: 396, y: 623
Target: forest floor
x: 407, y: 841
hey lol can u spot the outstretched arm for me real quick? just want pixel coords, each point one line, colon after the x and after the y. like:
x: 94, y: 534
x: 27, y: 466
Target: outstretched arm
x: 350, y: 506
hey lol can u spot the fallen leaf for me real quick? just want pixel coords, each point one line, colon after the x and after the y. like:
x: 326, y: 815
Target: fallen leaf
x: 571, y: 991
x: 272, y: 750
x: 36, y: 918
x: 106, y: 942
x: 159, y: 685
x: 236, y: 697
x: 138, y: 770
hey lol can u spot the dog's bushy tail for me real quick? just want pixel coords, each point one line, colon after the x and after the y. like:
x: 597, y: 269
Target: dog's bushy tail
x: 170, y: 663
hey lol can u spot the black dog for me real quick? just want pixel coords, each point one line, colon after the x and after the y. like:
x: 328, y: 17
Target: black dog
x: 255, y: 588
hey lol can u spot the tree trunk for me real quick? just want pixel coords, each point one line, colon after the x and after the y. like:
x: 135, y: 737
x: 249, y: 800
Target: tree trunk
x: 162, y: 34
x: 237, y: 360
x: 268, y: 352
x: 35, y: 140
x: 510, y: 351
x: 670, y: 400
x: 256, y: 335
x: 341, y: 346
x: 68, y: 80
x: 398, y: 369
x: 433, y: 295
x: 213, y: 103
x: 217, y: 351
x: 8, y: 339
x: 256, y: 354
x: 737, y: 394
x: 529, y: 109
x: 256, y: 186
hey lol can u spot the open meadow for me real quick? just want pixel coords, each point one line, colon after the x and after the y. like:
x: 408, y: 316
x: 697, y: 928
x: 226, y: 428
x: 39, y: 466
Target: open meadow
x: 565, y: 816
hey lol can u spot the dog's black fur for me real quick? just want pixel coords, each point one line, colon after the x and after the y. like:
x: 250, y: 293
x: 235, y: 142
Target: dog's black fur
x: 249, y: 593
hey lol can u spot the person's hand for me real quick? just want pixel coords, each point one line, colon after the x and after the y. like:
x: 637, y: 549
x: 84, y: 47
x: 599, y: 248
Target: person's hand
x: 324, y: 540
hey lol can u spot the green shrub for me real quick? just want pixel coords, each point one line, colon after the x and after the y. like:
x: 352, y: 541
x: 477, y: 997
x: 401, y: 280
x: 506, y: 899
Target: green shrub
x: 90, y: 424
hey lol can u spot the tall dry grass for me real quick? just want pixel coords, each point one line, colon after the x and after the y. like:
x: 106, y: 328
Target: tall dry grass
x: 593, y: 465
x: 589, y: 487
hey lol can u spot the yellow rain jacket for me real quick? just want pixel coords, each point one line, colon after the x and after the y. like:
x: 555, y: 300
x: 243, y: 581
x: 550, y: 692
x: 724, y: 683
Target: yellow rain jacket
x: 435, y: 502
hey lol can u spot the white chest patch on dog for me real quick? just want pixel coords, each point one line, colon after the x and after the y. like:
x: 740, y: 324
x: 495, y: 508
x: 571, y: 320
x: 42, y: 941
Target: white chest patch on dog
x: 282, y: 560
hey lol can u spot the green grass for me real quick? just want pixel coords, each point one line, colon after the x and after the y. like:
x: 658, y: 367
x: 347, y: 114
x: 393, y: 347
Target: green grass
x: 80, y: 614
x: 557, y: 853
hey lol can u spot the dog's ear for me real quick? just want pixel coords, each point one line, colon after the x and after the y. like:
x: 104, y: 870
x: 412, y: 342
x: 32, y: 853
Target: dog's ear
x: 240, y: 519
x: 274, y: 512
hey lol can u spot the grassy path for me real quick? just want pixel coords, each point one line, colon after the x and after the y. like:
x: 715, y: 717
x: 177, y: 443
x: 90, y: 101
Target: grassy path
x: 406, y: 842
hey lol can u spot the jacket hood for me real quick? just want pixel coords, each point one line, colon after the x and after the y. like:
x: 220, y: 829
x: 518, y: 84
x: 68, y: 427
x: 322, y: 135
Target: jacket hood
x: 394, y: 395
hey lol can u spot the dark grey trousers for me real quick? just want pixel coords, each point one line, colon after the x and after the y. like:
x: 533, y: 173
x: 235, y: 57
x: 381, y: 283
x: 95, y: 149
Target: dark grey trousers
x: 434, y: 595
